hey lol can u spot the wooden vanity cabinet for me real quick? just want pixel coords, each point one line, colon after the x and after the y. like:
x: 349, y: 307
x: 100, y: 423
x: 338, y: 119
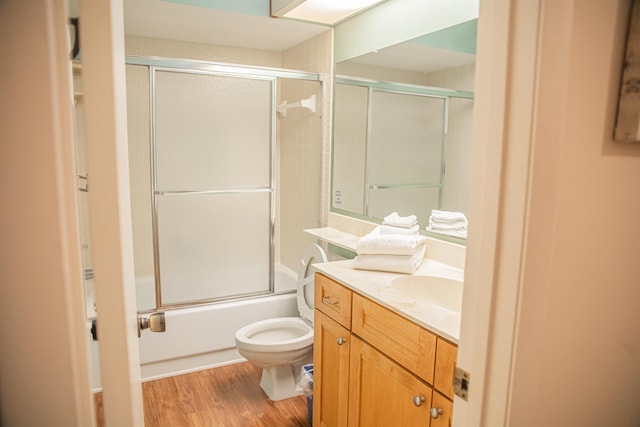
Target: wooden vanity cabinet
x: 438, y: 401
x: 332, y: 348
x: 446, y: 355
x: 383, y: 393
x: 373, y: 367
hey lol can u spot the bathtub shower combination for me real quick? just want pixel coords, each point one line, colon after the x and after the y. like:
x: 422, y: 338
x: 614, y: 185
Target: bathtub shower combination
x: 225, y: 168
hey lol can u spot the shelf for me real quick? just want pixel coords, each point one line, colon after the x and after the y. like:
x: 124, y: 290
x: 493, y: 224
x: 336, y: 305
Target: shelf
x: 334, y: 236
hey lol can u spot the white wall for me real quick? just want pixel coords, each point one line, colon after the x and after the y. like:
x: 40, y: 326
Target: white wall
x: 577, y: 359
x: 43, y: 355
x: 398, y: 21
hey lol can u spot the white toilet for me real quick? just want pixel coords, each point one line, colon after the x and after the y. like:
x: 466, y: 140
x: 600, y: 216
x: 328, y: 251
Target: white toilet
x: 282, y: 345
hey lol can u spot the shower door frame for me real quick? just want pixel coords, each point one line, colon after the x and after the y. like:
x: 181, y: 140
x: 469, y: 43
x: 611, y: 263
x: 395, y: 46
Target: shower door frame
x: 154, y: 64
x: 405, y: 89
x: 367, y: 168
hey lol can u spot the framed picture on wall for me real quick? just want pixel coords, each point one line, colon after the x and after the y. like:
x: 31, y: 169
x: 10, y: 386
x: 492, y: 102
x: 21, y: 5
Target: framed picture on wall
x: 628, y: 121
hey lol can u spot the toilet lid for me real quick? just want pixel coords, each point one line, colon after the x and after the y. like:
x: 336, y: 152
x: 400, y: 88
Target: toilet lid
x: 312, y: 254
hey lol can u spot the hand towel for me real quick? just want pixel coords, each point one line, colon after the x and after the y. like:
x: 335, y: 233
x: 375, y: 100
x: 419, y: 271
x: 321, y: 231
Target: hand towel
x: 391, y: 263
x: 389, y: 244
x: 392, y: 229
x: 400, y: 221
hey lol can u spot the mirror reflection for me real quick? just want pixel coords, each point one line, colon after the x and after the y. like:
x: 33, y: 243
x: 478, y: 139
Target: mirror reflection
x: 402, y: 129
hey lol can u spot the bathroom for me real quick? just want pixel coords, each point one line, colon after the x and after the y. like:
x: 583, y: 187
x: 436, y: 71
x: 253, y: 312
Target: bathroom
x: 549, y: 270
x: 161, y: 77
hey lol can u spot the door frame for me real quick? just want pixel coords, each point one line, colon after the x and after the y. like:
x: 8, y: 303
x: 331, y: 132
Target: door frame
x: 495, y: 256
x: 491, y: 297
x: 504, y: 135
x: 111, y: 240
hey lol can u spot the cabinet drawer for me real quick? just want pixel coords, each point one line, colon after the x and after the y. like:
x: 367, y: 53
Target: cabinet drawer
x: 410, y: 345
x: 333, y: 299
x: 446, y: 356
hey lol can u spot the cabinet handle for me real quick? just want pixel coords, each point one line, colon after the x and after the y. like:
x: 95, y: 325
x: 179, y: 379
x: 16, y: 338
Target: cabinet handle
x: 418, y: 400
x: 435, y: 413
x: 329, y: 301
x: 341, y: 341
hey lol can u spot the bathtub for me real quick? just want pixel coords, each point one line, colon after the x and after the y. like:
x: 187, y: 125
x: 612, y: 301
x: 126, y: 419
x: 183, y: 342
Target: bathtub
x: 202, y: 337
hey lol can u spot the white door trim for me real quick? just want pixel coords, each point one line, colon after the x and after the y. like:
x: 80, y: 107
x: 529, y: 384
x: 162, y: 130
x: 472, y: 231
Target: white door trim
x: 111, y: 242
x: 506, y: 73
x: 43, y: 357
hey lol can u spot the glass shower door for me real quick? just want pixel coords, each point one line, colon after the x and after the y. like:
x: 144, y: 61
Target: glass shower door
x: 405, y: 154
x: 213, y: 186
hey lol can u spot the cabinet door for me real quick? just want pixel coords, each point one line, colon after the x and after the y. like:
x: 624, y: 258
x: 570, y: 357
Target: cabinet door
x: 382, y: 393
x: 442, y: 403
x: 330, y: 372
x: 446, y: 355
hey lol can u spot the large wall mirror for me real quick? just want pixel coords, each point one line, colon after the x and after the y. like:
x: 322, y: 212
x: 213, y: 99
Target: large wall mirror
x: 402, y: 128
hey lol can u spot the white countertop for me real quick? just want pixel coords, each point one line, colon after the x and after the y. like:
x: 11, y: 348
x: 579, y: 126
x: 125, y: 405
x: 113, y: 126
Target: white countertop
x: 376, y: 285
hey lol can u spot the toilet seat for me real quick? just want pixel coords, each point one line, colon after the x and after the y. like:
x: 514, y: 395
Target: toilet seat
x: 280, y: 346
x: 312, y: 254
x: 276, y: 335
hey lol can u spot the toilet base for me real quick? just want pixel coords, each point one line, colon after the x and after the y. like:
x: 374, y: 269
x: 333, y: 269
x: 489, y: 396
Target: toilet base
x: 279, y: 382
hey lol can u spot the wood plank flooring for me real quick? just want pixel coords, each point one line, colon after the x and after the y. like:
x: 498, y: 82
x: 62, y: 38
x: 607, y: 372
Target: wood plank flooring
x: 227, y: 396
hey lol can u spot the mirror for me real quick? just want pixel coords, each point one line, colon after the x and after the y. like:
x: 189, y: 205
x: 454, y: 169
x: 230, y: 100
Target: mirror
x: 402, y: 129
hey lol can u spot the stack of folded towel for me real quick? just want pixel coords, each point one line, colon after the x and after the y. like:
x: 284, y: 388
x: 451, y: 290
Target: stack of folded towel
x: 447, y: 222
x: 395, y: 246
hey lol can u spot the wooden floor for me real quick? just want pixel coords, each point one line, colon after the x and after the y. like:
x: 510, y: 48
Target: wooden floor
x: 228, y: 396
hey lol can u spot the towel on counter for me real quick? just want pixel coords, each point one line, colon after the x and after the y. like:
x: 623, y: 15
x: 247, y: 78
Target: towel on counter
x: 392, y: 229
x: 400, y: 221
x: 462, y: 233
x: 376, y: 243
x: 391, y: 263
x: 447, y: 216
x: 451, y: 223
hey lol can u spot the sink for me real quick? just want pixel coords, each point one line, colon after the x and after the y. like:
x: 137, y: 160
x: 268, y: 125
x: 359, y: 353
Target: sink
x: 441, y: 291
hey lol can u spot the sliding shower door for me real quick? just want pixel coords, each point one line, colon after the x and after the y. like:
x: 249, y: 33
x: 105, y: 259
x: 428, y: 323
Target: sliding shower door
x: 405, y: 154
x: 213, y: 187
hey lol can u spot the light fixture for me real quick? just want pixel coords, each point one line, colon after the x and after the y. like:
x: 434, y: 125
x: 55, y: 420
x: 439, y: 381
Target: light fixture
x: 328, y: 12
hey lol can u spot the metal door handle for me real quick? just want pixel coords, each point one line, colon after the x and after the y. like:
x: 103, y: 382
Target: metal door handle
x: 155, y: 322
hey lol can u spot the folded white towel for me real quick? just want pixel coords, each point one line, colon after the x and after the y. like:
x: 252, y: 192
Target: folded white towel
x: 400, y: 221
x: 447, y: 216
x: 462, y: 232
x: 392, y: 229
x: 389, y: 244
x: 458, y: 225
x: 391, y: 263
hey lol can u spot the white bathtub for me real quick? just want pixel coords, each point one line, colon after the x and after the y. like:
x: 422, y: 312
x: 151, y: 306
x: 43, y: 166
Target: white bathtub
x: 203, y: 337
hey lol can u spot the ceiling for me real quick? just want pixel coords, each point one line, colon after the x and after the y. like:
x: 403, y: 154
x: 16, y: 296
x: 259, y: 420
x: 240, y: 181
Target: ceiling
x: 175, y: 21
x: 170, y: 20
x: 411, y: 56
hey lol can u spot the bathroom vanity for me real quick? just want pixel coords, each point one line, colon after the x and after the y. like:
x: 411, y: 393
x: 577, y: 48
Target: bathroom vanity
x: 382, y: 354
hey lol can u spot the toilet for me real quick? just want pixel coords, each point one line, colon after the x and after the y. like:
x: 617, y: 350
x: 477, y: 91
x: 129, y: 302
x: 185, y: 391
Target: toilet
x: 280, y: 346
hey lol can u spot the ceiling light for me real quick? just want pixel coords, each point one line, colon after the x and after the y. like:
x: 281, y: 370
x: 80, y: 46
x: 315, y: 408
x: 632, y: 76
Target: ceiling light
x: 322, y: 11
